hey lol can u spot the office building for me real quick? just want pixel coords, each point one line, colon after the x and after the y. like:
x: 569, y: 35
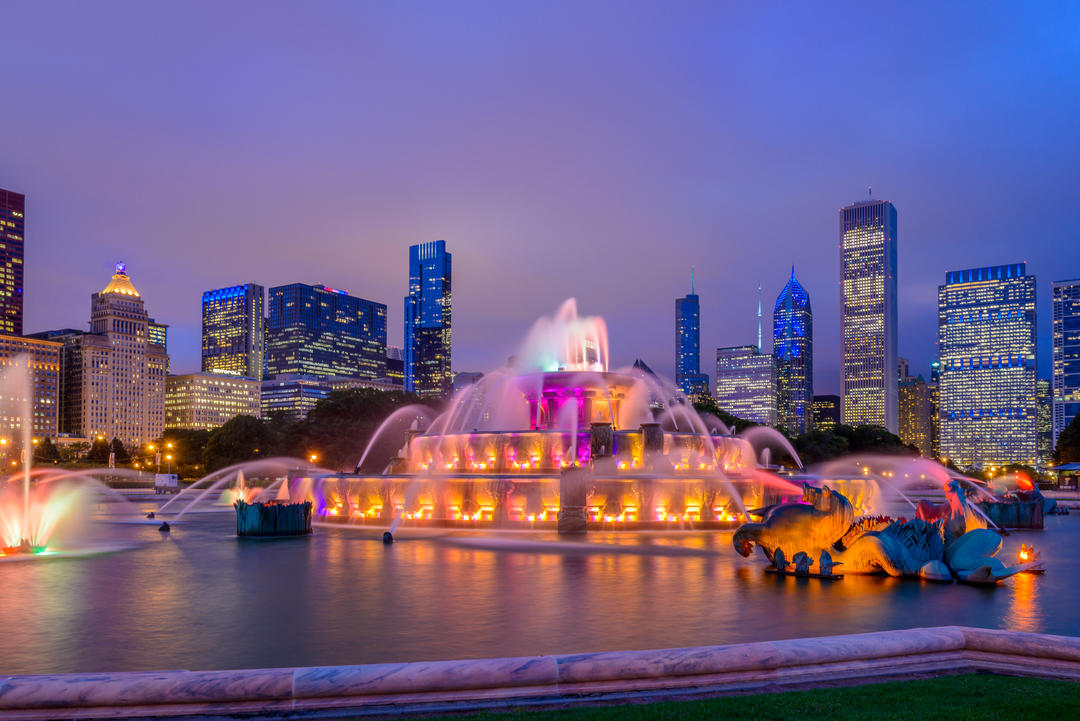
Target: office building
x: 349, y: 383
x: 869, y: 314
x: 114, y: 377
x: 986, y: 346
x: 688, y: 375
x: 1044, y: 414
x: 1065, y: 341
x: 427, y: 321
x: 12, y: 236
x: 793, y: 351
x: 746, y: 383
x: 205, y: 401
x: 318, y: 331
x: 234, y: 331
x: 395, y: 364
x: 916, y: 414
x: 826, y: 412
x: 292, y: 395
x: 43, y: 357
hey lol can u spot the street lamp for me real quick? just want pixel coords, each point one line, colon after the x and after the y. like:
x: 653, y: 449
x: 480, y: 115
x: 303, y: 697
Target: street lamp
x: 314, y: 457
x: 168, y: 457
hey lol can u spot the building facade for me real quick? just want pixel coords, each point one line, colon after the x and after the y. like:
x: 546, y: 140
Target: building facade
x: 793, y: 351
x: 292, y: 395
x: 1044, y: 414
x: 41, y: 358
x: 826, y: 412
x: 205, y: 401
x: 318, y: 331
x: 688, y: 375
x: 746, y: 383
x: 986, y: 346
x: 234, y: 331
x: 868, y: 305
x: 1065, y: 340
x: 114, y: 384
x: 427, y: 364
x: 916, y: 409
x: 12, y: 240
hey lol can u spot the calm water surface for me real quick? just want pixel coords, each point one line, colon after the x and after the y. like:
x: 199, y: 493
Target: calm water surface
x: 201, y: 599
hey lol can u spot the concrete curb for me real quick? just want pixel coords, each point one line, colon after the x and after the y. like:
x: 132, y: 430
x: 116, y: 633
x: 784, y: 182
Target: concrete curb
x: 401, y: 688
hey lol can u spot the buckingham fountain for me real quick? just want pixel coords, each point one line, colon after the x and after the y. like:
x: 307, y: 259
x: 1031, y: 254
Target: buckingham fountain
x: 558, y: 440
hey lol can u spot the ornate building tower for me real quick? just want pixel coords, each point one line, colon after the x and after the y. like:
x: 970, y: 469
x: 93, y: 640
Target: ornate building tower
x: 793, y: 349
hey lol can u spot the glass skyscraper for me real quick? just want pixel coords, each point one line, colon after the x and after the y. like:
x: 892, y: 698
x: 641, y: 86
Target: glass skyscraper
x: 793, y: 350
x: 868, y: 305
x: 12, y: 228
x: 986, y: 346
x: 233, y: 332
x: 1066, y: 344
x: 688, y: 375
x: 746, y: 383
x: 318, y: 331
x: 427, y: 321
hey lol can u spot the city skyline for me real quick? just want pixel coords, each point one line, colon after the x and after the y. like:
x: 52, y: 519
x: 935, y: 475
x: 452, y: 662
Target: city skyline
x: 698, y: 176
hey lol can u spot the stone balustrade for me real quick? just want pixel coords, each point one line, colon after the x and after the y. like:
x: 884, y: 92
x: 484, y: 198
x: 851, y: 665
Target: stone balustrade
x: 418, y: 687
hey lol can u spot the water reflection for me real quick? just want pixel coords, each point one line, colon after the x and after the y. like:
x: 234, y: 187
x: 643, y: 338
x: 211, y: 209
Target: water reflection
x: 203, y: 599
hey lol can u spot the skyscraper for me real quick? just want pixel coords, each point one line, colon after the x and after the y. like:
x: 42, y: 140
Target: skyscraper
x: 868, y: 305
x: 205, y: 401
x: 317, y: 331
x: 12, y: 229
x: 233, y: 330
x: 793, y: 349
x: 826, y: 412
x: 688, y: 375
x: 986, y: 345
x: 916, y: 411
x: 1065, y: 295
x: 427, y: 321
x: 746, y: 383
x: 114, y: 383
x: 1044, y: 412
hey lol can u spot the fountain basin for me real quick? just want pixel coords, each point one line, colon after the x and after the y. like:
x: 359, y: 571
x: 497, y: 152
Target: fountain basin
x: 273, y: 519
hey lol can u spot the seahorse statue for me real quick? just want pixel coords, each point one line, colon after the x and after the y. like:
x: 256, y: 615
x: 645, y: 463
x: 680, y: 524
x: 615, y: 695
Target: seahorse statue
x: 812, y: 526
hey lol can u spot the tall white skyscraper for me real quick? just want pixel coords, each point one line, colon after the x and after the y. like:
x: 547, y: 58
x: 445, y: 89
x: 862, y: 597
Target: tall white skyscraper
x: 868, y: 305
x: 986, y: 345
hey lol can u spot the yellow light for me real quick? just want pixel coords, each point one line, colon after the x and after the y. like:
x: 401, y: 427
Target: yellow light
x: 3, y: 441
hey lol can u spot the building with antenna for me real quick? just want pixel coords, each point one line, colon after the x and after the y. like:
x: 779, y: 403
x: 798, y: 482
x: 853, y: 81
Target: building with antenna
x: 793, y: 349
x: 688, y: 375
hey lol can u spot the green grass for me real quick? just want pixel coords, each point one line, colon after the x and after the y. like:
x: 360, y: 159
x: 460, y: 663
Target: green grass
x: 956, y: 698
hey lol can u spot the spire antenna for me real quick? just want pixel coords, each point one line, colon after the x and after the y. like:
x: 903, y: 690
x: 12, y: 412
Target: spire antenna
x: 691, y: 280
x: 759, y: 319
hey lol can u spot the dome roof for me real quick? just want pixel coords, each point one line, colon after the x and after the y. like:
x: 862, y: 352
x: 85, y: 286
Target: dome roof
x: 121, y: 283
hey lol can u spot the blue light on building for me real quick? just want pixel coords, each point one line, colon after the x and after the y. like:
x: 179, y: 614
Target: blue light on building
x: 688, y: 375
x: 1065, y: 391
x: 233, y: 331
x: 427, y: 321
x: 793, y: 349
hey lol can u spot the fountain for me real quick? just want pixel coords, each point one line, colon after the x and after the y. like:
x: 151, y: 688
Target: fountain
x: 44, y: 512
x: 626, y: 445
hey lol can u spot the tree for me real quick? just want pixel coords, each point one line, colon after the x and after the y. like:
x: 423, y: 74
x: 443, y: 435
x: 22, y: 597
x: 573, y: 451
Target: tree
x: 1068, y: 445
x: 121, y: 457
x: 816, y: 446
x: 46, y: 451
x: 99, y: 452
x: 339, y: 427
x: 240, y: 439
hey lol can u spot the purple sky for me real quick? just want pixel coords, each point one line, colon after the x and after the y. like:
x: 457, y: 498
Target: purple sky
x: 595, y: 150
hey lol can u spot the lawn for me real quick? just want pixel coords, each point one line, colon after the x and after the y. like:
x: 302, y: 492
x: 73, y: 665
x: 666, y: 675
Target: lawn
x: 957, y: 698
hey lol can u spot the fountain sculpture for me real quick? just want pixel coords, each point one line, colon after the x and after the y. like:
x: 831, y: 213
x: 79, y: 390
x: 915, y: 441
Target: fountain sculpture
x: 957, y: 544
x: 557, y: 440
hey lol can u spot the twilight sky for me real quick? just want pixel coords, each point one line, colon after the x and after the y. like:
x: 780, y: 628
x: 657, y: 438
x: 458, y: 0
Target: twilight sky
x: 586, y: 149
